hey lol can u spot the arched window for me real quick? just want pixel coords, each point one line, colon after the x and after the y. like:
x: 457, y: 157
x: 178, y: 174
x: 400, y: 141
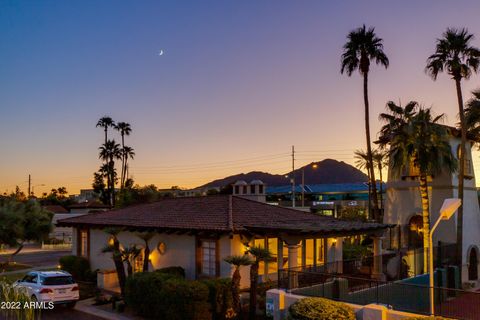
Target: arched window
x: 138, y: 261
x: 415, y: 232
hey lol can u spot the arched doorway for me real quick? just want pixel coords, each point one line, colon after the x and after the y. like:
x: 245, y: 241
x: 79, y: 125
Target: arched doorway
x: 473, y: 264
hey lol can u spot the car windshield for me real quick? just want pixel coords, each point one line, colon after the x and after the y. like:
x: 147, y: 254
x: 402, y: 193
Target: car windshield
x: 56, y: 281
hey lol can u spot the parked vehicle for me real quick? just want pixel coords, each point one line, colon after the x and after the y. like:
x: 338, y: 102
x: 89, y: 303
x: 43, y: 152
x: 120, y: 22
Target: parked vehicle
x: 58, y: 287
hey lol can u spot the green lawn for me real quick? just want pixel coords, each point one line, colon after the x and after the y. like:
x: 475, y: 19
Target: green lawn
x: 12, y: 277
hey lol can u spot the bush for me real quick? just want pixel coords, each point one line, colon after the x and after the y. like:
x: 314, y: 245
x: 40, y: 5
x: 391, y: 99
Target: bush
x: 78, y: 267
x: 162, y: 295
x: 174, y: 271
x: 320, y: 309
x: 220, y: 296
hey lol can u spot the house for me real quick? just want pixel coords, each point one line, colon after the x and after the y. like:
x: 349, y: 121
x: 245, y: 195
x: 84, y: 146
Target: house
x: 197, y: 233
x: 403, y: 207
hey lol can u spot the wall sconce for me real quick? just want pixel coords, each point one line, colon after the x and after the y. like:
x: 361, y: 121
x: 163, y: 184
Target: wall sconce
x: 334, y: 242
x: 161, y: 247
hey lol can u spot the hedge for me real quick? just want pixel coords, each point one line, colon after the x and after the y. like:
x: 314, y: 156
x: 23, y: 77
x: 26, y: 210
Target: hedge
x: 220, y: 297
x: 165, y: 296
x: 78, y: 267
x: 320, y: 309
x: 174, y: 271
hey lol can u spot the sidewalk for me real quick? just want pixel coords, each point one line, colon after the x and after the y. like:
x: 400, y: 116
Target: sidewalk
x: 29, y: 249
x: 86, y: 306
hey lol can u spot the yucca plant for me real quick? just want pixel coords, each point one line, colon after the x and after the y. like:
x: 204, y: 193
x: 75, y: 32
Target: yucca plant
x: 237, y: 261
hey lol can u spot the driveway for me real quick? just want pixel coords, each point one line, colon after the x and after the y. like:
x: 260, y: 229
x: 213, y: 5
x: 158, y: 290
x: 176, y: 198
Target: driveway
x: 62, y: 313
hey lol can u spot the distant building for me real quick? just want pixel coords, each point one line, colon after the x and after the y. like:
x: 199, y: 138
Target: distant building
x: 88, y: 207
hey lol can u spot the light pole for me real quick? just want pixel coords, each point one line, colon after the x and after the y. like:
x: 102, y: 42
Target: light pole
x: 314, y: 166
x: 449, y: 207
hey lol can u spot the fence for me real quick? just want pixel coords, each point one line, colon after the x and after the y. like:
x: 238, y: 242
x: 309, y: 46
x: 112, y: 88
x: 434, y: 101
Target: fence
x: 400, y: 295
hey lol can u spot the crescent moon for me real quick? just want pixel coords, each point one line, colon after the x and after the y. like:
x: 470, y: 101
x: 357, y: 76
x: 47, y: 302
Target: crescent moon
x: 160, y: 53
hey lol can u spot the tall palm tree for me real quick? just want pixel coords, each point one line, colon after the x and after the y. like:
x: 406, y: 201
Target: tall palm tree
x: 237, y: 261
x: 109, y: 152
x: 127, y: 153
x: 146, y: 237
x: 380, y: 160
x: 259, y: 254
x: 423, y: 143
x: 105, y: 122
x: 455, y: 54
x: 114, y: 247
x: 362, y: 47
x: 125, y: 129
x: 361, y: 162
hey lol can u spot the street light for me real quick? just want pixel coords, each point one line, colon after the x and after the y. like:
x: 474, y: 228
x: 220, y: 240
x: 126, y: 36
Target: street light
x: 449, y: 207
x: 314, y: 166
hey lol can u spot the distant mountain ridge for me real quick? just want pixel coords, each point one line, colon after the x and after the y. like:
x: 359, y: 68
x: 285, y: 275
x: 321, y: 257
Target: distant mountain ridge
x: 327, y: 171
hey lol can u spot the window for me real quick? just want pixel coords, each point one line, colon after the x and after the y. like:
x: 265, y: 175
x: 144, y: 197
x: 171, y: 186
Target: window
x: 273, y: 248
x: 468, y: 171
x: 309, y: 252
x: 252, y: 189
x: 209, y: 258
x: 237, y: 189
x: 245, y: 189
x: 260, y: 189
x: 83, y: 243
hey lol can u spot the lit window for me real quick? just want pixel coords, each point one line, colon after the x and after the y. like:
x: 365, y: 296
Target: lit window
x: 138, y: 262
x: 209, y: 258
x: 83, y: 243
x: 320, y: 251
x: 309, y: 252
x: 273, y: 248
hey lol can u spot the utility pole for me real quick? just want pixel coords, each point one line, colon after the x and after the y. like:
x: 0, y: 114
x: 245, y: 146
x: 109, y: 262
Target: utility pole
x: 293, y: 176
x: 29, y: 185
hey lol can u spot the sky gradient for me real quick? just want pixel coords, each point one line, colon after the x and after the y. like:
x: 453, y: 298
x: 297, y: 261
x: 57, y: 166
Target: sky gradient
x: 238, y: 84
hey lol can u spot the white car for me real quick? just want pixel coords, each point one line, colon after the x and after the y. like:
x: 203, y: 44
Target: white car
x: 51, y: 286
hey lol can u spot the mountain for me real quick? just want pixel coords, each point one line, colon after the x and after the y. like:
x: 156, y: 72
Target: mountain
x: 326, y: 171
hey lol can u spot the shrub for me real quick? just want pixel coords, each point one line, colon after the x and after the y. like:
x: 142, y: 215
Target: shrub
x: 220, y: 296
x: 320, y: 309
x: 174, y: 271
x: 162, y: 295
x: 78, y: 267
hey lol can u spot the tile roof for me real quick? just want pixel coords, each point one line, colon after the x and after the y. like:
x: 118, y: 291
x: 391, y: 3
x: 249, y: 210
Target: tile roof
x: 221, y: 213
x: 55, y: 209
x: 89, y: 205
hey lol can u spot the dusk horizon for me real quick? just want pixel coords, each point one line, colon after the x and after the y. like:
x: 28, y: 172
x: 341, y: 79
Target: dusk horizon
x: 235, y: 87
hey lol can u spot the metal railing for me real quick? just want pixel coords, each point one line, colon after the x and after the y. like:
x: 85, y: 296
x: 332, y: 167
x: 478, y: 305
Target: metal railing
x: 399, y: 295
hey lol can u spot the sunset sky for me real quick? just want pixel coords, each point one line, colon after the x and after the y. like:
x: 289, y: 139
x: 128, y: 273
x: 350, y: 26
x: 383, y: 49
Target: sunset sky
x: 239, y: 83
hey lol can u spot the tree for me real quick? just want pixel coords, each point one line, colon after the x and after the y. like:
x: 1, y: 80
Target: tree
x: 113, y: 246
x: 23, y: 221
x: 109, y: 152
x: 129, y: 255
x: 237, y: 261
x: 127, y: 152
x: 423, y: 143
x: 259, y: 254
x: 455, y: 55
x: 362, y: 47
x: 106, y: 122
x: 472, y: 115
x: 146, y: 237
x: 124, y: 129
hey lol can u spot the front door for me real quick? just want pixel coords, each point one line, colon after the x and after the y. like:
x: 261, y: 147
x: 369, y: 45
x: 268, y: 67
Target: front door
x: 473, y: 265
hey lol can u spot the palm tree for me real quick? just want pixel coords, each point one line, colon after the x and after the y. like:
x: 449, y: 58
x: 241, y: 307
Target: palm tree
x: 259, y: 254
x: 129, y: 255
x: 380, y: 160
x: 127, y: 152
x: 455, y: 55
x: 237, y: 261
x: 361, y: 162
x: 472, y: 115
x: 423, y: 143
x: 362, y: 47
x: 109, y: 152
x: 125, y: 130
x: 106, y: 122
x: 114, y: 247
x: 146, y: 237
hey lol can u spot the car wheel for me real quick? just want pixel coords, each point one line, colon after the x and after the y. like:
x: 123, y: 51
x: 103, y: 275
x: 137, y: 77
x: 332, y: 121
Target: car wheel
x: 71, y: 305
